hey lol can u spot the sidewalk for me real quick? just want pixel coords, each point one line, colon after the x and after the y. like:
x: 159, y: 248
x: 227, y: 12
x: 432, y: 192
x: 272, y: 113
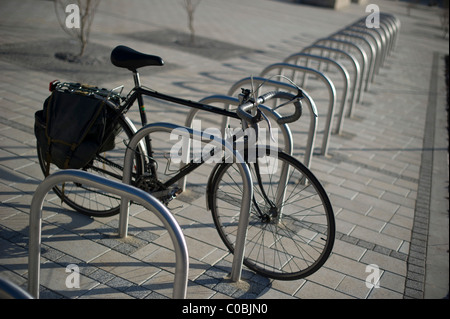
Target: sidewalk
x: 386, y: 175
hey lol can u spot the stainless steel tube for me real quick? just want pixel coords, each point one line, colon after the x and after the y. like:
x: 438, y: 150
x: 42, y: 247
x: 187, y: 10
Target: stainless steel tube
x: 117, y: 188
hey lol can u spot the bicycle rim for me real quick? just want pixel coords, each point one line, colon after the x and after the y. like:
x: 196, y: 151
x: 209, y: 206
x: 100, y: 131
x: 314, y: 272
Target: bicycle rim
x: 291, y: 233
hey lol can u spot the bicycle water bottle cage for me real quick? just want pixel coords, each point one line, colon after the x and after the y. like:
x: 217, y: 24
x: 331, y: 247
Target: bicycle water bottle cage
x: 125, y: 57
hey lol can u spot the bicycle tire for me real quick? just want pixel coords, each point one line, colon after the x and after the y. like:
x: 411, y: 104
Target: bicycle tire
x: 289, y: 246
x: 94, y: 202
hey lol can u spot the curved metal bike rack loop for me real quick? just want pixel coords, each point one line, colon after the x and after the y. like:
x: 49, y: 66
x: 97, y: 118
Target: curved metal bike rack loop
x: 288, y: 87
x: 331, y: 92
x: 117, y: 188
x: 385, y: 30
x: 384, y: 27
x: 365, y: 32
x: 395, y: 23
x: 329, y: 41
x: 389, y: 28
x: 243, y: 168
x: 372, y: 50
x: 392, y: 23
x: 381, y: 37
x: 293, y: 59
x: 355, y: 64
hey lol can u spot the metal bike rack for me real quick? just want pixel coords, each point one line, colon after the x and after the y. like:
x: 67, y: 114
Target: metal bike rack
x: 355, y: 64
x: 370, y: 42
x: 229, y: 101
x: 342, y: 46
x: 117, y: 188
x: 9, y: 290
x: 390, y: 29
x: 378, y: 34
x: 391, y: 26
x: 373, y: 52
x: 383, y: 39
x: 366, y: 33
x: 331, y: 92
x: 391, y: 23
x: 395, y: 24
x: 294, y: 59
x: 386, y: 32
x: 288, y: 87
x: 245, y: 173
x: 386, y: 26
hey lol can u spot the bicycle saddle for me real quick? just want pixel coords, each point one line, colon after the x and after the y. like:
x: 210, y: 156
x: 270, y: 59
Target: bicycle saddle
x: 125, y: 57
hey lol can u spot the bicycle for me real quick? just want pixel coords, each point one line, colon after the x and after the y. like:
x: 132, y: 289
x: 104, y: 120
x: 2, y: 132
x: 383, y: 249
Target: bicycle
x: 291, y: 229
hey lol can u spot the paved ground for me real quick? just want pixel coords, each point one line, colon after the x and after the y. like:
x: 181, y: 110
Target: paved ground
x: 387, y: 174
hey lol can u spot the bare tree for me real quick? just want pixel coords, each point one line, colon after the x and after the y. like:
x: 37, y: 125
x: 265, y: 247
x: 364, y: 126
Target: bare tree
x: 190, y: 6
x: 81, y: 32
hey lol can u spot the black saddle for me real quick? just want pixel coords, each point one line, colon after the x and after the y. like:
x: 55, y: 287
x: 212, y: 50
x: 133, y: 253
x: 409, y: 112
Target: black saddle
x: 125, y: 57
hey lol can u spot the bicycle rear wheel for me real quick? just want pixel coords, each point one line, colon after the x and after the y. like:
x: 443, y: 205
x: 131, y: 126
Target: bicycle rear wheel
x: 90, y: 201
x: 291, y: 229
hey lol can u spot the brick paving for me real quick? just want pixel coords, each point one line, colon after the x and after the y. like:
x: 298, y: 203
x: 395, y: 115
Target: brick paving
x: 379, y: 173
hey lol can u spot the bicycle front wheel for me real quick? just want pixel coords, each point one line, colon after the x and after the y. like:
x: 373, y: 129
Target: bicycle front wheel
x: 91, y: 201
x: 291, y: 229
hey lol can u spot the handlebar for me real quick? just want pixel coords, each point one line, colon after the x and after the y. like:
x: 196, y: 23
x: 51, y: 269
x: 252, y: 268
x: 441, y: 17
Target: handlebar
x: 243, y: 109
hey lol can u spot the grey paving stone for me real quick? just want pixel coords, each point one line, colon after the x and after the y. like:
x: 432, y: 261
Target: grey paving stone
x: 101, y: 276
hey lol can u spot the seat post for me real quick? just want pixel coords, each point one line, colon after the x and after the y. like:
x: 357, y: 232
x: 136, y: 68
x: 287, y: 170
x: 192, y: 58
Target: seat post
x: 137, y: 81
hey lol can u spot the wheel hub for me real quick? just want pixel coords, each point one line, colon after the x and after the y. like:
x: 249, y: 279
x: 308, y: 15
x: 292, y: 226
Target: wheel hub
x: 270, y: 216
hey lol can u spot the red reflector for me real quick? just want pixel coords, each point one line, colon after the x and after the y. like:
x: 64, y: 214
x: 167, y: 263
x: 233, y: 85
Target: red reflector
x: 52, y: 85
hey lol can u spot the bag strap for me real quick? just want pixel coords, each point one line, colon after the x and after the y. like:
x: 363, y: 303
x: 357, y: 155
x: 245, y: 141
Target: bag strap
x: 69, y: 156
x: 91, y: 123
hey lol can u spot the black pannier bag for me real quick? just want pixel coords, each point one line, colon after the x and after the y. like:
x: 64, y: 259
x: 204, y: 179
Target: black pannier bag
x: 75, y: 125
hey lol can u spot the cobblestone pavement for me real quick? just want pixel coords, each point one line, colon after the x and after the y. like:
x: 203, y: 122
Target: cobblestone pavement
x: 386, y: 174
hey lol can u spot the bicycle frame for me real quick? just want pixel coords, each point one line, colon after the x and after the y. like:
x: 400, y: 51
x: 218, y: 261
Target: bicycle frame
x: 137, y: 94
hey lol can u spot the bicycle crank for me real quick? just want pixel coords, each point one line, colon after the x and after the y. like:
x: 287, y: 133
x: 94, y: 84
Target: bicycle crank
x: 157, y: 189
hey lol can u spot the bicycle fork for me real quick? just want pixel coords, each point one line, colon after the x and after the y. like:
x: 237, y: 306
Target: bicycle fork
x: 275, y: 210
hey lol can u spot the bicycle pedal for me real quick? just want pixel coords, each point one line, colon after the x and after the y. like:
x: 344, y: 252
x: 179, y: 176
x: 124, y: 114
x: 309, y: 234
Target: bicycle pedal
x: 167, y: 196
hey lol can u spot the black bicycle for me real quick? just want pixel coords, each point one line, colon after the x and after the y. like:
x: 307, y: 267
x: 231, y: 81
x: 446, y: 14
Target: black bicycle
x: 291, y: 230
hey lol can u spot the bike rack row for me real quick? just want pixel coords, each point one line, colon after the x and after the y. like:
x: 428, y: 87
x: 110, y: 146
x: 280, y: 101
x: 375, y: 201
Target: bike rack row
x: 372, y: 47
x: 356, y: 52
